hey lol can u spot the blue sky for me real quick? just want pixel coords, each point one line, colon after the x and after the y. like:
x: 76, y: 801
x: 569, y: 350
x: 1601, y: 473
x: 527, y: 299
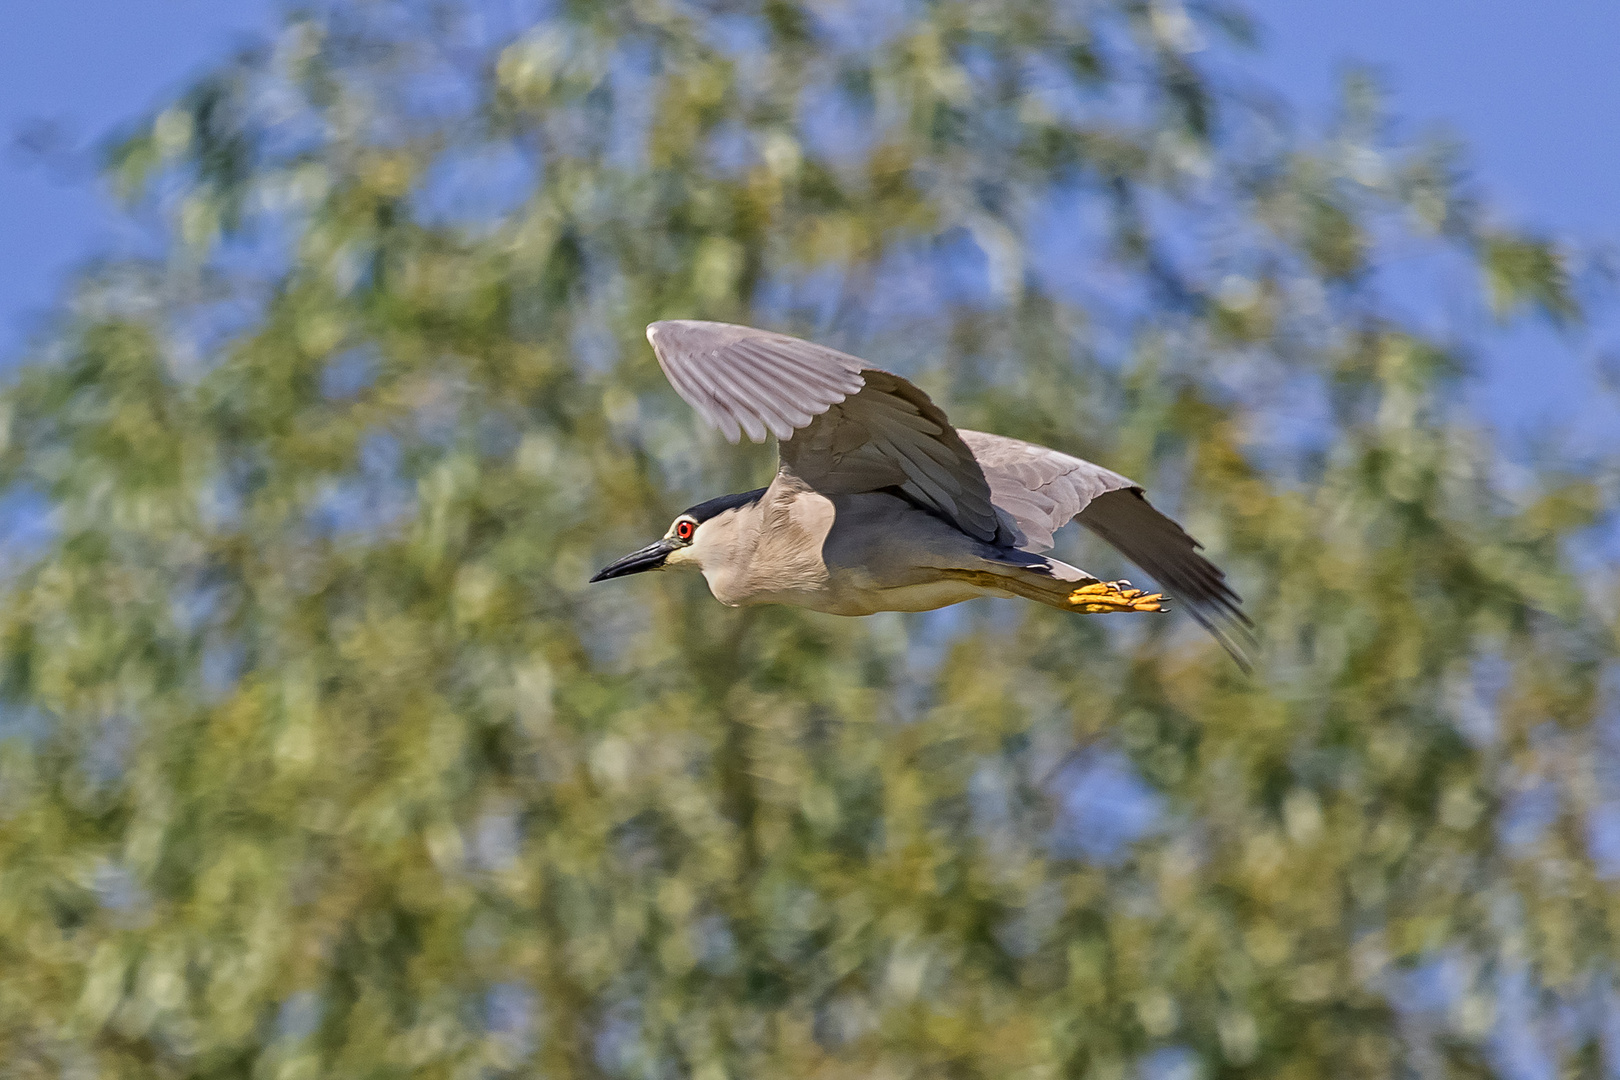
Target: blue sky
x: 85, y: 67
x: 1531, y: 88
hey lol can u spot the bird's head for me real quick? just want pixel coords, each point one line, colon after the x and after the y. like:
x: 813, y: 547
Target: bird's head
x: 693, y: 535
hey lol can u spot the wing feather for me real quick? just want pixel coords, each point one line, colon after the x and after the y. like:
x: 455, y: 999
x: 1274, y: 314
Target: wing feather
x: 1131, y: 525
x: 792, y: 368
x: 843, y: 427
x: 760, y: 404
x: 744, y: 380
x: 1043, y: 490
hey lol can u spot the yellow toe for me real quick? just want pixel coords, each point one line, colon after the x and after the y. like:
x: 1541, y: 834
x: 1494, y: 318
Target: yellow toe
x: 1104, y: 596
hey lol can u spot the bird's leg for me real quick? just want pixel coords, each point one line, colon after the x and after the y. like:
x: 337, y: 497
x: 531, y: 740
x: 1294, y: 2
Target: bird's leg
x: 1102, y: 596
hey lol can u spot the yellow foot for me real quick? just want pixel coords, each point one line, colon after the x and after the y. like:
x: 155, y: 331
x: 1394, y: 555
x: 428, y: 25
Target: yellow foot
x: 1104, y: 596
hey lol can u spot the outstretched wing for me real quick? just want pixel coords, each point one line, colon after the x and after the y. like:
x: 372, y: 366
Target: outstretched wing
x: 741, y: 379
x: 844, y: 427
x: 1044, y: 490
x: 1041, y: 489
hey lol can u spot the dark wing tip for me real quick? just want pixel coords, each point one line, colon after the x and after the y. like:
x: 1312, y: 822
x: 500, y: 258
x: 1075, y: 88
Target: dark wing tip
x: 1131, y: 525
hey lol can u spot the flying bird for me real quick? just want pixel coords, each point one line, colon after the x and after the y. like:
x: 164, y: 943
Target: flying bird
x: 880, y: 504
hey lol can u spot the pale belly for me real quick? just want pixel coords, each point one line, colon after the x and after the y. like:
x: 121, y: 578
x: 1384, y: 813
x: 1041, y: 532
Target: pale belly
x: 857, y: 555
x: 854, y: 600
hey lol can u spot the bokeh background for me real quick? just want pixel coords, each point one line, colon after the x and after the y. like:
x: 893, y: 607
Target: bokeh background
x: 325, y: 392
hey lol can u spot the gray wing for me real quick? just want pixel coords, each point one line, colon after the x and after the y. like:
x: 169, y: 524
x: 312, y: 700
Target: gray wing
x: 1043, y: 490
x: 741, y: 379
x: 843, y: 427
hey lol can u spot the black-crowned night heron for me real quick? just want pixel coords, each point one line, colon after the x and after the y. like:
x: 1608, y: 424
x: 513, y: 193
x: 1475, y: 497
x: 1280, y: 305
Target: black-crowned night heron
x: 881, y: 505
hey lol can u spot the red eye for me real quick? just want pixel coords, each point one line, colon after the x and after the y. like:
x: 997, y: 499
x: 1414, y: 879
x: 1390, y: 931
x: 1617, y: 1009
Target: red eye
x: 684, y: 530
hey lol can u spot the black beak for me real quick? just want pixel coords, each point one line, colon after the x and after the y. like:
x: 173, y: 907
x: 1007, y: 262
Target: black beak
x: 650, y: 557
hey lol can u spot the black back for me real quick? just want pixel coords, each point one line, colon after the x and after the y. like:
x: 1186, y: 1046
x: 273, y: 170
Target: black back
x: 703, y: 511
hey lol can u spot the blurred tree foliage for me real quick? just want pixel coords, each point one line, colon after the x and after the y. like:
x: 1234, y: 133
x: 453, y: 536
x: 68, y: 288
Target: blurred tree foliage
x: 320, y: 759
